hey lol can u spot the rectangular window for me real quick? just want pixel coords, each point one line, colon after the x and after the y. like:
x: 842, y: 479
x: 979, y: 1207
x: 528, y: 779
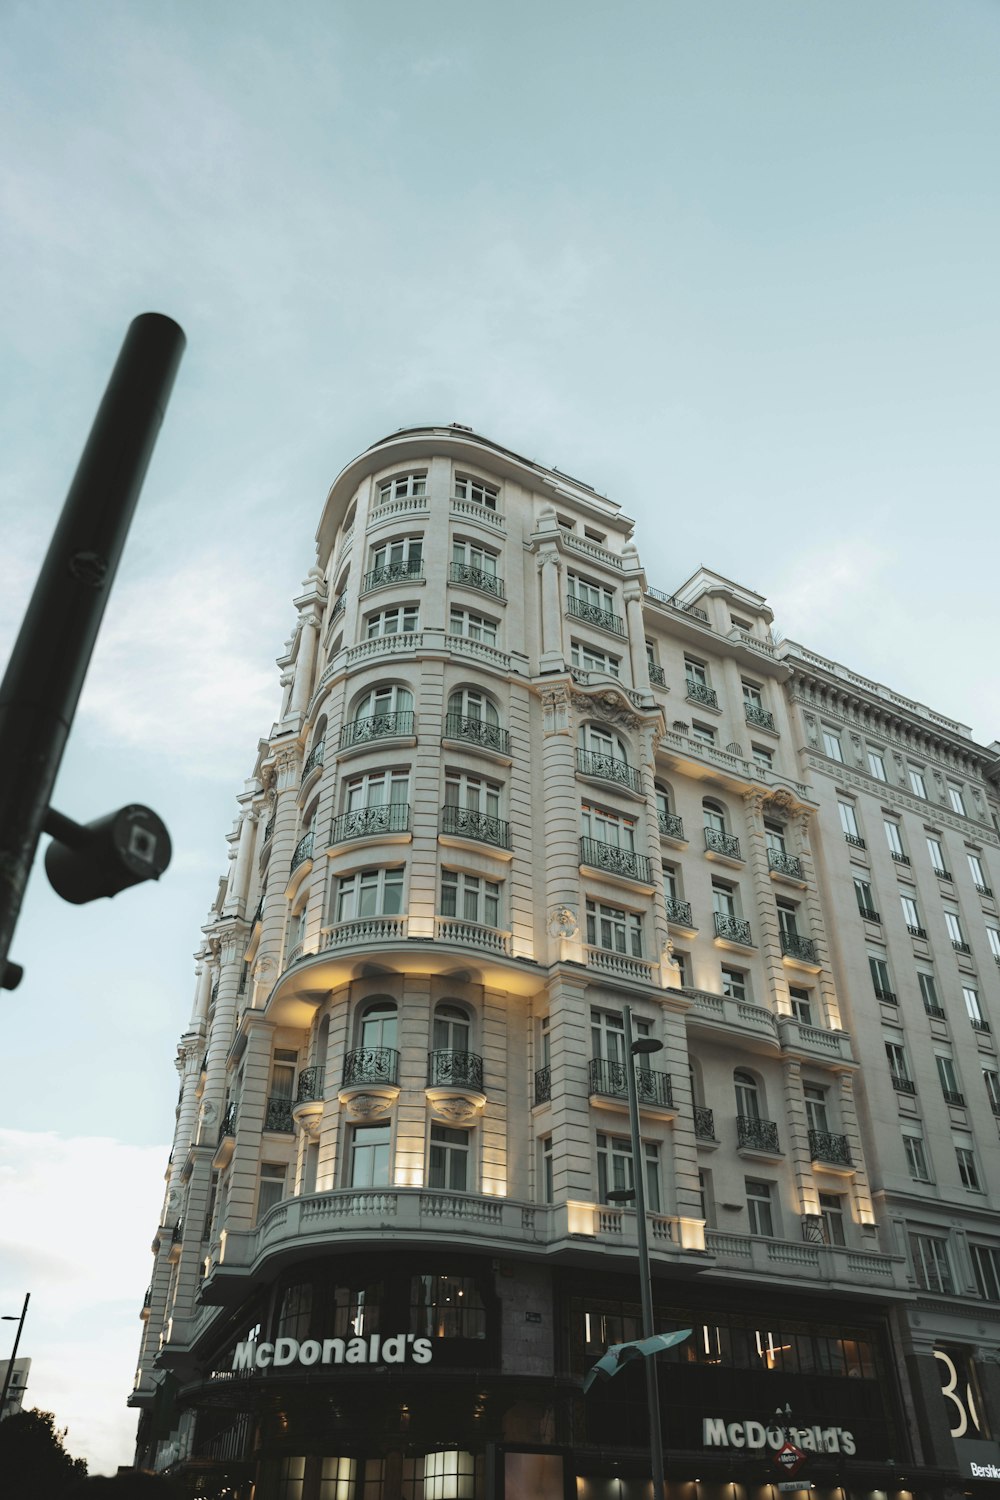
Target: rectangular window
x: 292, y: 1479
x: 587, y: 592
x: 801, y: 1006
x: 589, y: 659
x: 735, y: 984
x: 614, y: 1169
x: 972, y: 1006
x: 402, y: 558
x: 472, y: 555
x: 671, y: 884
x: 929, y: 994
x: 881, y: 978
x: 752, y: 695
x: 370, y: 1156
x: 911, y: 916
x: 476, y: 490
x: 681, y: 963
x: 272, y: 1186
x: 916, y: 1158
x: 954, y: 927
x: 918, y: 785
x: 448, y: 1165
x: 703, y: 732
x: 762, y: 756
x: 723, y: 899
x: 979, y: 875
x: 831, y: 1207
x: 948, y: 1078
x: 401, y: 486
x: 607, y: 827
x: 338, y: 1479
x: 876, y: 765
x: 849, y: 823
x: 956, y: 799
x: 993, y: 937
x: 472, y: 793
x: 760, y: 1216
x: 931, y: 1265
x: 936, y: 853
x: 470, y: 897
x: 548, y: 1189
x: 402, y: 620
x: 967, y: 1169
x: 991, y: 1078
x: 986, y: 1268
x: 866, y: 901
x: 472, y: 627
x: 376, y: 789
x: 695, y: 672
x: 370, y: 893
x: 831, y: 744
x: 896, y: 1058
x: 615, y: 929
x: 893, y: 839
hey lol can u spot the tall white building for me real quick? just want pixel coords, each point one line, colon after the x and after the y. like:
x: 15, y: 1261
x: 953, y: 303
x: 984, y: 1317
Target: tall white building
x: 513, y: 788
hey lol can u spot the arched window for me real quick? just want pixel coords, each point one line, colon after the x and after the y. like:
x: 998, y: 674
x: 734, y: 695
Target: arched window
x: 382, y: 712
x: 378, y: 1024
x: 747, y: 1095
x: 316, y: 753
x: 715, y: 816
x: 595, y: 739
x: 472, y: 715
x: 472, y: 703
x: 452, y: 1028
x: 349, y: 518
x: 664, y: 800
x: 319, y: 733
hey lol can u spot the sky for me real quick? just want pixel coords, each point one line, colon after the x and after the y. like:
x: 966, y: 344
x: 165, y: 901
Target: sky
x: 733, y: 264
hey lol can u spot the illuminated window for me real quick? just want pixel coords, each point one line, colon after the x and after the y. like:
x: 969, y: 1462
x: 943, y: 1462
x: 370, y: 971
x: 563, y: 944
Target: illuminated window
x: 338, y: 1478
x: 292, y: 1478
x: 370, y: 1156
x: 447, y: 1307
x: 296, y: 1311
x: 449, y: 1476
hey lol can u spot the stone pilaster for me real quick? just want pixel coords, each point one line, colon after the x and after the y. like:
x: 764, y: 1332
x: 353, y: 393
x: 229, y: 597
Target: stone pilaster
x: 569, y: 1041
x: 239, y: 880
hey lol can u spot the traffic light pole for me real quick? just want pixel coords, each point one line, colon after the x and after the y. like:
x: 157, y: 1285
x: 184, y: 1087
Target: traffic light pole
x: 45, y: 675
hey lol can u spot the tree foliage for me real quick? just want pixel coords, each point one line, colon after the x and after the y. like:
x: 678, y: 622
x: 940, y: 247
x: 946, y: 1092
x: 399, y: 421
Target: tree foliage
x: 33, y: 1458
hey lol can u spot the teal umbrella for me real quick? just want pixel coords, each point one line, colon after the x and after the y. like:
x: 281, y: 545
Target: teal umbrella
x: 618, y: 1355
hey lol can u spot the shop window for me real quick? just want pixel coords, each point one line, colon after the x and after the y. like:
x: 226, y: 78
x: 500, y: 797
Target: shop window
x: 449, y: 1476
x: 447, y: 1307
x: 292, y: 1478
x: 296, y: 1311
x: 356, y: 1310
x: 338, y: 1479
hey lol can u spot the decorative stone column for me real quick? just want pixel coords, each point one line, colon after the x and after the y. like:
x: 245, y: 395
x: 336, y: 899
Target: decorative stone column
x: 561, y: 813
x: 636, y: 636
x: 863, y: 1205
x: 550, y: 567
x: 239, y: 880
x: 798, y: 1130
x: 287, y: 768
x: 305, y: 664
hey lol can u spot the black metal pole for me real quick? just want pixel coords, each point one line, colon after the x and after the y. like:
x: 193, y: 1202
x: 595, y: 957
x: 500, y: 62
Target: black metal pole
x: 13, y: 1353
x: 44, y: 678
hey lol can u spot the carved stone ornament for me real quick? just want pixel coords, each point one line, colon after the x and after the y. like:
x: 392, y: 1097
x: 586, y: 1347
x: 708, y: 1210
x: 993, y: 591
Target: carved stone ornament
x: 265, y: 969
x: 811, y: 729
x: 173, y: 1203
x: 609, y: 705
x: 368, y: 1106
x: 563, y: 923
x: 456, y: 1109
x: 309, y: 1118
x: 781, y: 803
x: 209, y: 1113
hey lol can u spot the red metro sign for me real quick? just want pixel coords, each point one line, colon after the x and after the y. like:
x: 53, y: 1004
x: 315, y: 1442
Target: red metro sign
x: 789, y: 1459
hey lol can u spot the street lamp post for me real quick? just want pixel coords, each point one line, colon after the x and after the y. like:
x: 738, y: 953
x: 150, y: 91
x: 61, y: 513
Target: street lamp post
x: 637, y: 1047
x: 11, y: 1318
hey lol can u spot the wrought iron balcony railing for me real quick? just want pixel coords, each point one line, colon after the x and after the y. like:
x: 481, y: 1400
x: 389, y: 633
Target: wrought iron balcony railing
x: 755, y: 714
x: 618, y: 861
x: 704, y: 1123
x: 278, y: 1115
x: 785, y: 864
x: 797, y: 946
x: 679, y: 912
x: 899, y: 856
x: 700, y: 692
x: 984, y: 890
x: 855, y: 840
x: 915, y: 931
x: 338, y: 607
x: 657, y: 675
x: 943, y: 874
x: 377, y: 727
x: 935, y: 1011
x: 611, y: 1080
x: 478, y: 731
x: 952, y: 1096
x: 314, y: 758
x: 903, y: 1085
x: 363, y: 822
x: 672, y: 824
x: 543, y: 1084
x: 870, y: 914
x: 398, y: 572
x: 979, y: 1024
x: 371, y: 1065
x: 995, y: 1105
x: 826, y: 1146
x: 722, y: 843
x: 462, y: 1070
x: 310, y: 1085
x: 466, y: 823
x: 477, y: 578
x: 303, y: 850
x: 733, y: 929
x: 595, y: 615
x: 269, y: 828
x: 960, y: 946
x: 888, y: 997
x: 177, y: 1233
x: 228, y: 1126
x: 608, y: 768
x: 757, y: 1135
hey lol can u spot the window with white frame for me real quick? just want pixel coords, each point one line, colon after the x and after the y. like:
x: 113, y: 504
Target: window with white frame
x: 401, y: 487
x: 596, y: 740
x: 448, y: 1159
x: 369, y: 893
x: 752, y: 696
x: 916, y: 1156
x: 801, y: 1001
x: 401, y: 619
x: 271, y: 1188
x: 972, y: 1007
x: 866, y: 901
x: 893, y: 839
x: 713, y: 816
x: 954, y: 928
x: 899, y: 1068
x: 760, y: 1208
x: 993, y: 937
x: 614, y: 1169
x: 968, y: 1171
x: 747, y: 1095
x: 375, y: 789
x: 936, y: 854
x: 682, y: 964
x: 282, y: 1085
x: 703, y: 732
x: 476, y: 490
x: 931, y: 1262
x: 369, y: 1156
x: 470, y: 897
x: 387, y: 698
x: 607, y: 827
x: 695, y: 672
x: 723, y: 899
x: 762, y: 756
x: 876, y: 765
x: 929, y: 993
x: 817, y: 1117
x: 849, y: 822
x: 911, y: 915
x: 736, y: 984
x: 671, y: 882
x: 378, y: 1025
x: 986, y: 1269
x: 774, y: 837
x: 590, y: 659
x: 991, y: 1079
x: 831, y: 1208
x: 978, y: 875
x: 831, y: 744
x: 472, y: 626
x: 948, y: 1078
x: 881, y: 978
x: 548, y: 1177
x: 918, y: 786
x: 402, y: 557
x: 607, y: 1034
x: 474, y: 555
x: 613, y: 928
x: 473, y: 793
x: 586, y: 591
x: 956, y: 798
x: 470, y: 703
x: 788, y: 918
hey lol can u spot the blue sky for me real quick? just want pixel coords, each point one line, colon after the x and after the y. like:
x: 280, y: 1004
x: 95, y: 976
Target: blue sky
x: 733, y: 264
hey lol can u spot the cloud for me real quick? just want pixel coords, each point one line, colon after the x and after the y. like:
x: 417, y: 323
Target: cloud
x: 79, y: 1214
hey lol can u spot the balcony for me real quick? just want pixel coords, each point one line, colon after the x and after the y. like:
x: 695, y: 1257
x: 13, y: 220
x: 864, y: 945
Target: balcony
x: 657, y: 676
x: 268, y: 828
x: 367, y: 1065
x: 228, y: 1126
x: 303, y: 851
x: 915, y: 931
x: 760, y: 717
x: 726, y: 844
x: 903, y: 1085
x: 704, y: 1123
x: 757, y: 1135
x: 338, y: 607
x: 466, y: 823
x: 679, y: 912
x: 834, y: 1150
x: 617, y: 861
x: 802, y: 949
x: 365, y: 822
x: 855, y: 840
x: 620, y: 965
x: 313, y: 759
x: 477, y: 578
x: 887, y: 997
x: 943, y: 874
x: 310, y: 1085
x: 936, y: 1012
x: 984, y: 890
x: 609, y: 1080
x: 960, y: 946
x: 952, y: 1096
x: 870, y: 914
x: 377, y: 727
x: 700, y: 692
x: 978, y: 1024
x: 543, y: 1085
x: 400, y: 572
x: 278, y: 1115
x: 366, y: 930
x: 607, y: 768
x: 672, y: 826
x: 477, y: 732
x: 594, y: 615
x: 471, y: 935
x: 732, y: 929
x: 456, y: 1070
x: 899, y: 856
x: 781, y: 863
